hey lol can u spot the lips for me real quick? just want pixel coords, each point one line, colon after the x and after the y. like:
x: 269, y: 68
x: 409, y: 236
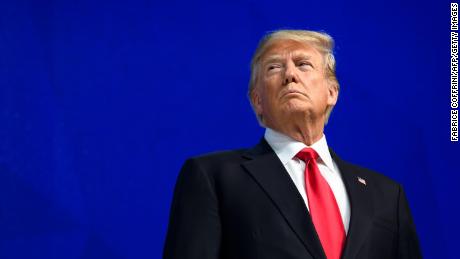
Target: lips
x: 293, y: 92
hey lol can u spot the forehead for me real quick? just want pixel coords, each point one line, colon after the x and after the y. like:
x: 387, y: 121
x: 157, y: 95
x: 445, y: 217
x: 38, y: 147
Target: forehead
x: 283, y: 48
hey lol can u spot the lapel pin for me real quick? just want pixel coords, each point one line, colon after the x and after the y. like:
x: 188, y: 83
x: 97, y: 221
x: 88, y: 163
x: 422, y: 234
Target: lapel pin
x: 361, y: 180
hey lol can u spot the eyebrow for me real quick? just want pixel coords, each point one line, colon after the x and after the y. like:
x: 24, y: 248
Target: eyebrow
x: 272, y: 59
x: 278, y: 58
x: 302, y: 57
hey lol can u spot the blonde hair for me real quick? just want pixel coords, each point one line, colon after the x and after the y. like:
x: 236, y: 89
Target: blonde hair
x: 321, y: 41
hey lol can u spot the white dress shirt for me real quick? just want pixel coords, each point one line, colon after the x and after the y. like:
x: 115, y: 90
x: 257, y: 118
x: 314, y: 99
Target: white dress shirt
x: 286, y: 148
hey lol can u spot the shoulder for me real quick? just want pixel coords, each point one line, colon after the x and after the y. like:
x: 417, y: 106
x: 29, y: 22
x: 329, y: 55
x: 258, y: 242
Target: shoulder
x: 381, y: 189
x: 216, y: 161
x: 377, y: 180
x: 219, y: 157
x: 373, y: 175
x: 213, y: 171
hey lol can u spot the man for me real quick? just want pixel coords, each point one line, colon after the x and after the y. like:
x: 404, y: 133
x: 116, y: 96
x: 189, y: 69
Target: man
x: 290, y: 196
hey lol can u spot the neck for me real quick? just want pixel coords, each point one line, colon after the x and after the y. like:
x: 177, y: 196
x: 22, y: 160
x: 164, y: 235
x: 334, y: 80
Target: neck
x: 307, y: 131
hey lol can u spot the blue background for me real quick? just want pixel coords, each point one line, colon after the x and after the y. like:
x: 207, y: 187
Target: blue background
x: 102, y: 101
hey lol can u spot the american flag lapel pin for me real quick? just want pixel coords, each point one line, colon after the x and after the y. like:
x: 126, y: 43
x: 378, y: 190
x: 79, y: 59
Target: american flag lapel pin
x: 361, y: 180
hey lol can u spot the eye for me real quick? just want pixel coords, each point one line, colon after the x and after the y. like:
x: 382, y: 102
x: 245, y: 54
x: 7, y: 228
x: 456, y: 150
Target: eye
x: 273, y: 67
x: 305, y: 65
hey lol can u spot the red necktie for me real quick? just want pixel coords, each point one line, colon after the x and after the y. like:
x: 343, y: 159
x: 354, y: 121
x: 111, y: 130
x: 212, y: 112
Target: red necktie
x: 323, y: 207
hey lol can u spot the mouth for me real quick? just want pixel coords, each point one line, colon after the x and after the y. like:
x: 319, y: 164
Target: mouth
x: 293, y: 92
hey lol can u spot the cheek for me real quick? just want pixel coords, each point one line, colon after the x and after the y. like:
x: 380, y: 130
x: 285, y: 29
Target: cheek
x: 271, y: 90
x: 316, y: 79
x: 320, y: 86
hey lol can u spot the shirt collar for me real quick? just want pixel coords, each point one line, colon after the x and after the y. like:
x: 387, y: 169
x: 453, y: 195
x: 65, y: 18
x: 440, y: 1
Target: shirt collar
x: 286, y: 148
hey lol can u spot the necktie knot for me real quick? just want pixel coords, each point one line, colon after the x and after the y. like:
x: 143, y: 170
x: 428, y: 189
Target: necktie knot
x: 307, y: 154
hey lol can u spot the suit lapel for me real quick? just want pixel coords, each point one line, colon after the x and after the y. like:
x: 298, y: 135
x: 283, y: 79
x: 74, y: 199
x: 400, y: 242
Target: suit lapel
x: 268, y: 171
x: 361, y: 207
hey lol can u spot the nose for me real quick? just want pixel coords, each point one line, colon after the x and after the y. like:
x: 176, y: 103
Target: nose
x: 290, y: 74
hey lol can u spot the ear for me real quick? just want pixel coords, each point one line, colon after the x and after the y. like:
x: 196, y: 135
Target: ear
x: 256, y: 101
x: 332, y: 94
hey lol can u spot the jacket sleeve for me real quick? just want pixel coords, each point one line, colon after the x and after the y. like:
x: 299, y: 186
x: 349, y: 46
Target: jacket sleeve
x: 194, y: 230
x: 408, y: 244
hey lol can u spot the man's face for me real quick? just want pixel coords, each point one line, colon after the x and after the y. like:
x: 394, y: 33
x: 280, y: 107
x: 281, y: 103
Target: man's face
x: 292, y: 81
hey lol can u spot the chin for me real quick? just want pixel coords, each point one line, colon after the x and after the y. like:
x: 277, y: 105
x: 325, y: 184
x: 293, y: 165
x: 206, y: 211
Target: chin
x: 294, y: 106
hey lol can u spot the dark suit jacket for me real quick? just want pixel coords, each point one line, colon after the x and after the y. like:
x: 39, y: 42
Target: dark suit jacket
x: 242, y: 204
